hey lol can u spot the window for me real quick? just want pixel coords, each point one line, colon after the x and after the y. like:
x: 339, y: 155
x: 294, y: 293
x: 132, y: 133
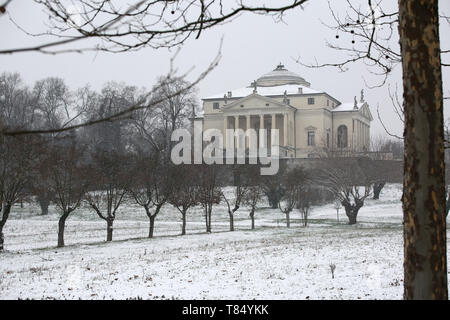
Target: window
x: 328, y: 102
x: 342, y: 136
x: 328, y: 140
x: 216, y: 105
x: 311, y: 138
x: 310, y: 100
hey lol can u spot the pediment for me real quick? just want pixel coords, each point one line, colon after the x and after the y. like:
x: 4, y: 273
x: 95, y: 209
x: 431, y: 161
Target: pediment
x: 254, y: 101
x: 365, y: 111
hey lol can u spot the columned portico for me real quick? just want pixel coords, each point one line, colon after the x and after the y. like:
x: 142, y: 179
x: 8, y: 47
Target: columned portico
x: 253, y: 119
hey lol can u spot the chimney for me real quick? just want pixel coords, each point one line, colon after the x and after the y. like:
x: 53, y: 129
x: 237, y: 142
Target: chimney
x: 300, y: 90
x: 225, y: 98
x: 229, y: 94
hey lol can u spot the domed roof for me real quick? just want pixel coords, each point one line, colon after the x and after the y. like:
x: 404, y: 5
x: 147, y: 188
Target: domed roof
x: 281, y: 76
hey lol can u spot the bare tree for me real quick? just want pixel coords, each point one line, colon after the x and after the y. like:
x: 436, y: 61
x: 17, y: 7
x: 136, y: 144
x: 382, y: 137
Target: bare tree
x: 92, y: 109
x: 184, y: 194
x: 209, y: 191
x: 67, y: 180
x: 349, y: 181
x: 17, y: 163
x: 253, y: 196
x: 113, y: 98
x: 17, y: 107
x: 108, y: 186
x: 292, y: 184
x: 151, y: 187
x: 53, y: 104
x: 288, y: 203
x: 235, y: 200
x: 306, y: 198
x: 53, y: 101
x: 252, y: 199
x: 154, y: 126
x: 18, y: 155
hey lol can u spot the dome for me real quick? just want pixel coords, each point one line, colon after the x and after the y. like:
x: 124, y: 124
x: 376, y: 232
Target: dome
x: 281, y: 76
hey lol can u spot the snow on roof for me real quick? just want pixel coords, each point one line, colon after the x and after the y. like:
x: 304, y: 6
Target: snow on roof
x: 266, y: 91
x: 348, y: 106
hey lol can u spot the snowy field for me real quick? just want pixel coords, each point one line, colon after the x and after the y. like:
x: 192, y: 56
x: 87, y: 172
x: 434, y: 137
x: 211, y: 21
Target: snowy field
x: 271, y: 262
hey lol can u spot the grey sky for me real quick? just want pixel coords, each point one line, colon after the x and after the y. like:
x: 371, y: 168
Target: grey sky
x: 252, y: 45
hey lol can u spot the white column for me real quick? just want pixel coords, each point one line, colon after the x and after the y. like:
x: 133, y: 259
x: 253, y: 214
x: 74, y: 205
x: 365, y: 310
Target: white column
x: 236, y: 126
x: 263, y: 138
x: 358, y: 132
x: 274, y: 126
x: 367, y: 137
x: 248, y: 127
x: 225, y: 127
x: 360, y: 135
x: 364, y: 134
x: 285, y: 129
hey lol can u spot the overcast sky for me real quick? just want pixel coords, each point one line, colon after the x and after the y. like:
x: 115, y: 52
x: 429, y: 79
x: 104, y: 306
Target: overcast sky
x: 252, y: 46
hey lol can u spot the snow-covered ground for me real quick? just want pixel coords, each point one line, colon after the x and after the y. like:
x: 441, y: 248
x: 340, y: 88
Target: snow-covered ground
x: 271, y: 262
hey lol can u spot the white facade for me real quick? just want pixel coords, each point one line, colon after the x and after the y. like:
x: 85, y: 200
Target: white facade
x: 309, y: 121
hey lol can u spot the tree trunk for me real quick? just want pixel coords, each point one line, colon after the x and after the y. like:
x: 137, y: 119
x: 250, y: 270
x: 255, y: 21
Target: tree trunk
x: 424, y: 227
x: 5, y: 216
x: 183, y: 226
x: 352, y: 212
x: 109, y: 230
x: 61, y: 228
x: 377, y: 187
x: 208, y: 220
x: 231, y: 221
x: 44, y: 203
x: 252, y: 216
x: 273, y: 198
x: 152, y: 226
x: 288, y: 220
x: 273, y: 203
x: 447, y: 206
x: 305, y: 218
x: 2, y: 239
